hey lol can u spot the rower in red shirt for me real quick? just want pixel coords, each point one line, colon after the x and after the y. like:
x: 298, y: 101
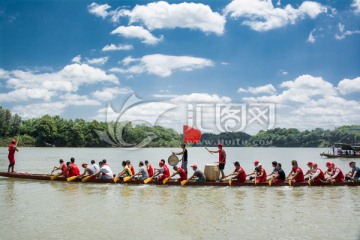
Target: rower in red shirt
x: 318, y: 175
x: 337, y: 175
x: 149, y: 168
x: 239, y: 174
x: 73, y: 169
x: 261, y: 175
x: 163, y: 171
x: 11, y: 156
x: 62, y: 167
x: 181, y: 172
x: 296, y: 174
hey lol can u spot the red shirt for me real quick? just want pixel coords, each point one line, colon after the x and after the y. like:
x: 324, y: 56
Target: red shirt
x: 166, y: 172
x: 340, y: 176
x: 241, y: 177
x: 74, y: 170
x: 132, y: 169
x: 150, y: 170
x: 264, y: 176
x: 63, y: 167
x: 320, y: 177
x: 300, y: 176
x: 182, y: 174
x: 11, y: 155
x: 222, y: 156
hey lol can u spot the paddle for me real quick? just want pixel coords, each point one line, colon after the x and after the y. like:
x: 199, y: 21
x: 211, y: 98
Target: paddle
x: 55, y: 176
x: 149, y: 179
x: 86, y: 178
x: 270, y: 182
x: 289, y: 182
x: 183, y: 182
x: 116, y: 178
x: 166, y: 180
x: 69, y: 179
x: 230, y: 182
x: 127, y: 178
x: 309, y: 182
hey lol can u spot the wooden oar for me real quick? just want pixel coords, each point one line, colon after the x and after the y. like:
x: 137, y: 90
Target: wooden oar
x: 230, y: 182
x: 69, y: 179
x: 116, y: 178
x: 183, y: 182
x: 270, y: 182
x: 289, y: 182
x: 127, y: 178
x: 309, y: 182
x: 86, y: 178
x: 166, y: 180
x: 149, y: 179
x: 208, y: 150
x: 54, y: 177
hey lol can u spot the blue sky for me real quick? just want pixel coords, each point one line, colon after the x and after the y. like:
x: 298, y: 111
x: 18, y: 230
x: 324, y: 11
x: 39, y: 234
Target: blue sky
x: 298, y: 62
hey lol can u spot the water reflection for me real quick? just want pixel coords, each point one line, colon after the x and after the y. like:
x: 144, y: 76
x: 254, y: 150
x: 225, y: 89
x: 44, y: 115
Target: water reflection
x: 10, y: 194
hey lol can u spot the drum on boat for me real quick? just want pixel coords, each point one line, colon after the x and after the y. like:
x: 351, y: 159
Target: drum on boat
x: 212, y: 172
x: 173, y: 160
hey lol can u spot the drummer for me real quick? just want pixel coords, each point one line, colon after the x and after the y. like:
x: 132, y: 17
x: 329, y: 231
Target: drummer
x: 184, y: 158
x: 222, y: 159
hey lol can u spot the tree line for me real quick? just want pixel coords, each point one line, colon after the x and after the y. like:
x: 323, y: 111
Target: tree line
x: 54, y: 131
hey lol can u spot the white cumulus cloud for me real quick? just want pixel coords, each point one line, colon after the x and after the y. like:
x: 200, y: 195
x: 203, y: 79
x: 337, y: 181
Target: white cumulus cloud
x: 97, y: 61
x: 356, y: 6
x: 164, y: 65
x: 113, y: 47
x: 162, y: 15
x: 349, y: 85
x: 269, y: 88
x: 99, y: 10
x: 108, y: 94
x: 261, y: 15
x: 138, y: 32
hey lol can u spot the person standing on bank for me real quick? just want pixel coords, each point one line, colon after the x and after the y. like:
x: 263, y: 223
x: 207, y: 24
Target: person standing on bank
x: 11, y: 156
x: 184, y: 159
x: 222, y: 159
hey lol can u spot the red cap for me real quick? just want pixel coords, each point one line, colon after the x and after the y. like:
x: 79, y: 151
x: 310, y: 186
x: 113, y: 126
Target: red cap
x: 195, y: 166
x: 314, y: 164
x: 332, y: 164
x: 256, y: 162
x: 13, y: 141
x: 84, y: 165
x: 309, y: 163
x: 161, y: 163
x: 328, y: 163
x: 219, y: 145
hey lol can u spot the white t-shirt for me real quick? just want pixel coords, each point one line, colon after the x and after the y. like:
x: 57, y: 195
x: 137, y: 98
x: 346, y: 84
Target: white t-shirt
x: 106, y: 172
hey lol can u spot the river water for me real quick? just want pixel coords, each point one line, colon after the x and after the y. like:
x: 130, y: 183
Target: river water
x: 60, y: 210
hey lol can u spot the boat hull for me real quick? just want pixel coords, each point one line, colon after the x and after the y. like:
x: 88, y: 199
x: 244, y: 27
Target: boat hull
x: 45, y: 177
x: 327, y: 155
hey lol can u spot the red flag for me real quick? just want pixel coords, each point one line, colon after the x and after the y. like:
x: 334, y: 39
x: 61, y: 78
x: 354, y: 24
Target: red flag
x: 191, y: 134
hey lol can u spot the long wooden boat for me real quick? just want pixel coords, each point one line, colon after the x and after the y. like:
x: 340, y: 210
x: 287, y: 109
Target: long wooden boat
x: 328, y: 155
x: 46, y: 177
